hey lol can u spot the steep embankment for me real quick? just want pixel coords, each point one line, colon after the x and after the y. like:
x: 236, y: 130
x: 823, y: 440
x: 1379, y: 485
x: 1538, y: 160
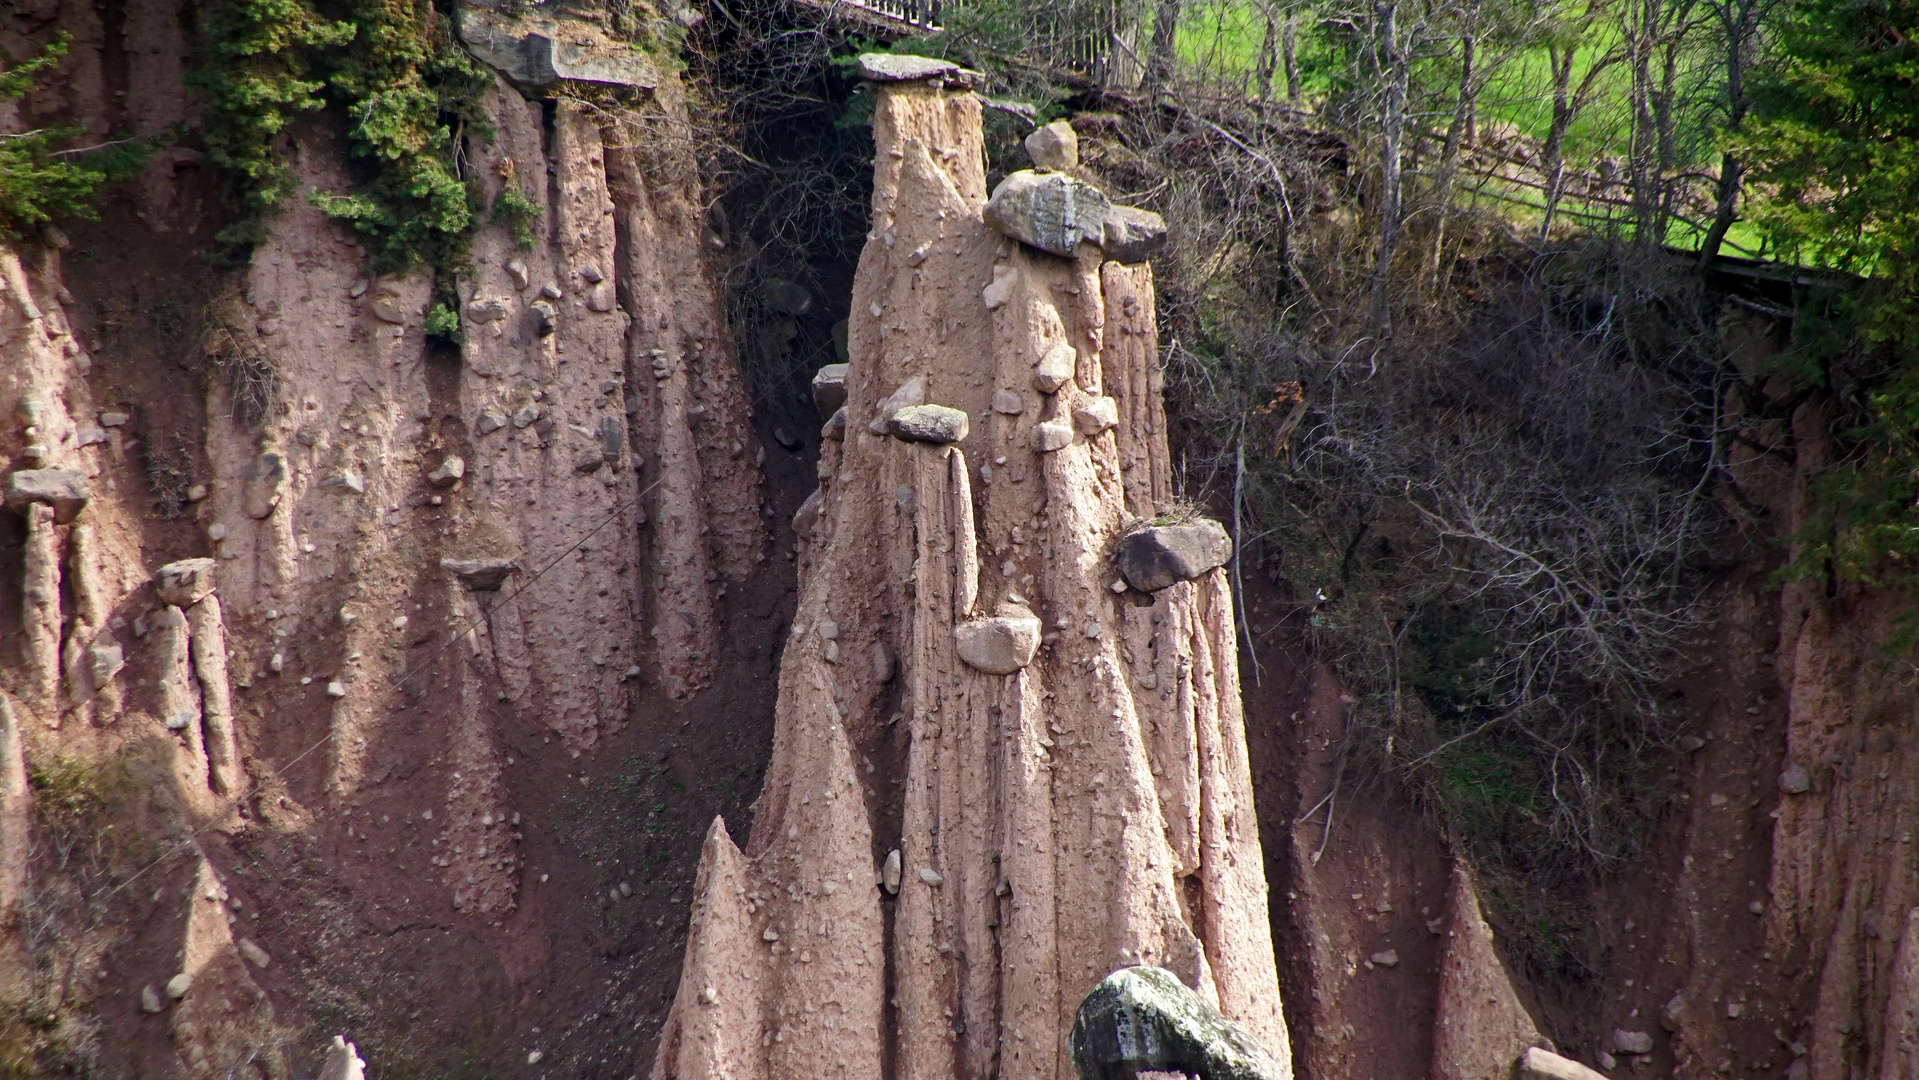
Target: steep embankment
x: 460, y: 611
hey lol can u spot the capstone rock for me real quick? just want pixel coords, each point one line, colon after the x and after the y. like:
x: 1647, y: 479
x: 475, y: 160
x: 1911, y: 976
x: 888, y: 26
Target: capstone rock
x: 1795, y: 780
x: 1141, y: 1019
x: 1056, y: 368
x: 1156, y: 556
x: 1095, y: 415
x: 266, y: 478
x: 886, y: 68
x: 66, y: 490
x: 388, y: 309
x: 1049, y: 211
x: 1052, y: 435
x: 184, y: 583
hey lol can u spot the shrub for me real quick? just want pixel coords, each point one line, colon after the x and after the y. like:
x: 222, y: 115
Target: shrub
x: 41, y: 183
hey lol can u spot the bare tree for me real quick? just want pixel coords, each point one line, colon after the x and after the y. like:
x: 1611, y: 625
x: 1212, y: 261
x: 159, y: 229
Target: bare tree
x: 1566, y: 40
x: 1738, y: 23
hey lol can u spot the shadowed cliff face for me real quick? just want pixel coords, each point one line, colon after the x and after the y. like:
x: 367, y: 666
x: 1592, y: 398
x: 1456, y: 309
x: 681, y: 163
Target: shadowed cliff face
x: 947, y: 856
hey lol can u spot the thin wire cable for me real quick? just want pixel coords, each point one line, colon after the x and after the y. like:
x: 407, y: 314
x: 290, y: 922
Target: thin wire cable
x: 193, y: 837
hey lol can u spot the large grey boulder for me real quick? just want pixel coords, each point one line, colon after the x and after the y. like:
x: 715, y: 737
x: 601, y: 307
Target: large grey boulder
x: 1143, y: 1019
x: 1048, y: 210
x: 1156, y: 556
x: 184, y: 583
x: 1000, y: 645
x: 1132, y: 235
x: 938, y: 424
x: 66, y: 490
x: 884, y: 68
x: 829, y: 388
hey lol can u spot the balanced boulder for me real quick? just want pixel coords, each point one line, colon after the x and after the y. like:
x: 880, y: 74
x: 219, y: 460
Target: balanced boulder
x: 1156, y: 556
x: 1048, y: 210
x: 66, y: 490
x: 1143, y: 1019
x: 1053, y: 146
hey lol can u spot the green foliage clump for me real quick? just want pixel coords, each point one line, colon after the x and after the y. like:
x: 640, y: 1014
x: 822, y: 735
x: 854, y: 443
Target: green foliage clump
x: 512, y: 207
x: 259, y: 76
x: 410, y: 94
x: 1835, y: 150
x: 39, y: 182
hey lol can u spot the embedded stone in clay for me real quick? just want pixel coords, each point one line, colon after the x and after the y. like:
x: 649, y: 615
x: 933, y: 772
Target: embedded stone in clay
x: 1000, y: 645
x: 1096, y: 415
x: 936, y: 424
x: 66, y: 490
x: 1056, y: 368
x: 1154, y: 557
x: 807, y: 516
x: 910, y: 392
x: 1142, y: 1019
x: 1052, y: 435
x: 1050, y: 211
x: 266, y: 477
x: 449, y: 472
x: 184, y: 583
x: 1132, y: 235
x: 1538, y: 1064
x: 1055, y: 146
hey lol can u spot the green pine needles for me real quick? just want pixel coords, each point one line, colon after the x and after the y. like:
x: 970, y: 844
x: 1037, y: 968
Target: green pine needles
x: 39, y: 181
x: 1835, y: 153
